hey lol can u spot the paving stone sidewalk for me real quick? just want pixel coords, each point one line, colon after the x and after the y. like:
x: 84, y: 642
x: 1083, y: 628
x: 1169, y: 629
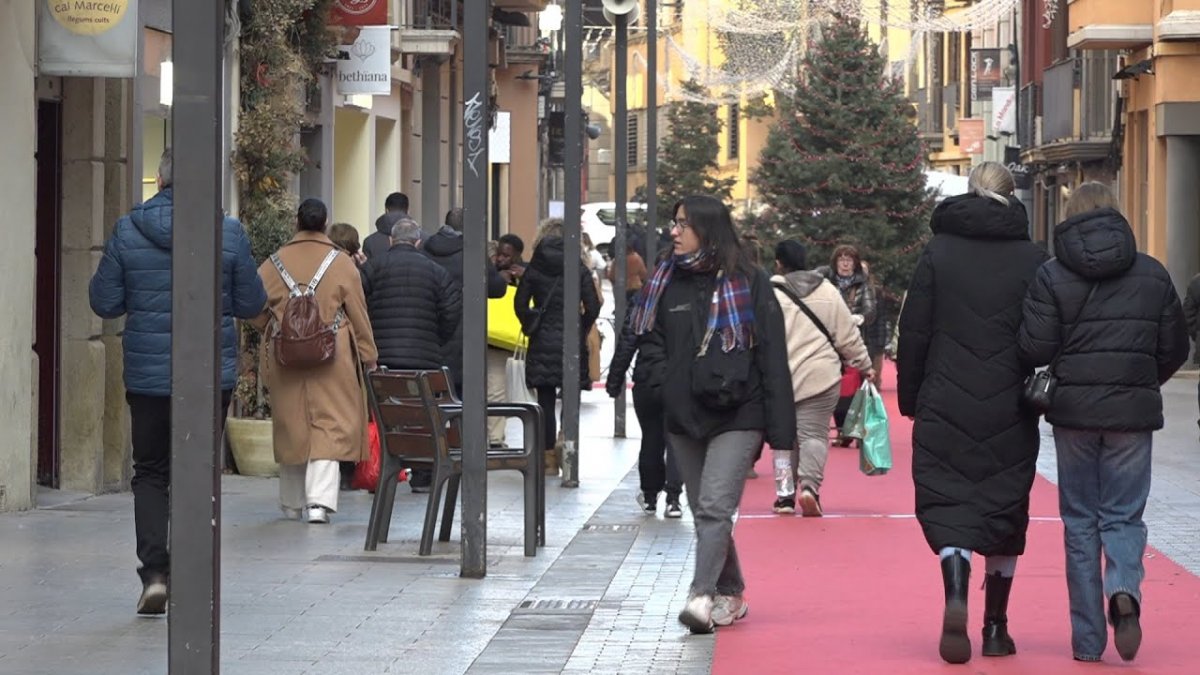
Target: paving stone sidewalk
x: 300, y: 599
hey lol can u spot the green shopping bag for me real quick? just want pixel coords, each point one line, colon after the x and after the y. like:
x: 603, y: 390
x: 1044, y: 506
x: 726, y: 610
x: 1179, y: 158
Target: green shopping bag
x: 875, y: 449
x: 855, y: 424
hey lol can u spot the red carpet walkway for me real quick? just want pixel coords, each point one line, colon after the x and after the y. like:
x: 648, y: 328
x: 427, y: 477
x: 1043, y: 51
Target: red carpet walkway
x: 858, y: 591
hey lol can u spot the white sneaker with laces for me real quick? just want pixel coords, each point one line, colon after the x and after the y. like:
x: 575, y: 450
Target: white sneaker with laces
x: 318, y: 515
x: 729, y: 608
x: 697, y: 614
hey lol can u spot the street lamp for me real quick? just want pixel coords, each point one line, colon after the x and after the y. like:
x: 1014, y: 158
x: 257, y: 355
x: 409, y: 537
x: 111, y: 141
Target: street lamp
x: 550, y: 20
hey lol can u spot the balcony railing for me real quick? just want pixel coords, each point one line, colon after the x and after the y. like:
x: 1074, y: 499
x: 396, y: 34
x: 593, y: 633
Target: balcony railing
x: 1058, y: 101
x: 1097, y: 97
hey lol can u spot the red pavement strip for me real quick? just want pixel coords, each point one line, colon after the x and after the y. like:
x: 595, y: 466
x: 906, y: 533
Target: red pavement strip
x: 859, y: 591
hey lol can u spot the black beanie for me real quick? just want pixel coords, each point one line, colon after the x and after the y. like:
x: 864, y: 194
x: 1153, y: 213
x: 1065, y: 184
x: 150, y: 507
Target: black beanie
x: 791, y: 254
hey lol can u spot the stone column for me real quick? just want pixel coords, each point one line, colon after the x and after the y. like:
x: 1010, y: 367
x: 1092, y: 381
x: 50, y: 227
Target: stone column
x: 95, y: 193
x: 18, y: 187
x: 1183, y: 209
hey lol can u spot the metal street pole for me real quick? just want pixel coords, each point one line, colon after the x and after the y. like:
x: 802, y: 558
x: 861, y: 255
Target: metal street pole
x: 476, y: 122
x: 572, y: 202
x: 620, y: 192
x: 194, y: 618
x: 650, y: 245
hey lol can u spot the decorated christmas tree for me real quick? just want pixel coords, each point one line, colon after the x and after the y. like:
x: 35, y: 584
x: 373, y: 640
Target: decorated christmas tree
x: 688, y: 158
x: 844, y: 163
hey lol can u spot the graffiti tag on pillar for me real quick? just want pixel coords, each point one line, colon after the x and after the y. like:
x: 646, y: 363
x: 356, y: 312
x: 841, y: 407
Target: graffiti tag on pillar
x: 1049, y: 12
x: 474, y: 119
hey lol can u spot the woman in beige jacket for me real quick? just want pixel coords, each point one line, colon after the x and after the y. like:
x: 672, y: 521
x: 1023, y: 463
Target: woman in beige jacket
x: 817, y: 348
x: 319, y: 414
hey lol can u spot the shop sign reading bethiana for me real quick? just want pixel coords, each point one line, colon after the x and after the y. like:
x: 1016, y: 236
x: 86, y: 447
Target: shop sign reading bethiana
x: 89, y: 38
x: 368, y: 68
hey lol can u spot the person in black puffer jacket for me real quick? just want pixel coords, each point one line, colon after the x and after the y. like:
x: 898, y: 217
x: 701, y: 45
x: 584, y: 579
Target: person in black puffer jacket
x: 974, y: 445
x: 1114, y: 321
x: 445, y: 247
x: 708, y: 321
x: 542, y: 284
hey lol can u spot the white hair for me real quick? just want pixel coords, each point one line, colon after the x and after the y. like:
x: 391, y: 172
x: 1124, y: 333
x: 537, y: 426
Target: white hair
x: 406, y: 230
x: 992, y: 180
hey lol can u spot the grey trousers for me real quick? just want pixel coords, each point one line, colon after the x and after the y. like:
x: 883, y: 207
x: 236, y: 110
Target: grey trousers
x: 714, y: 472
x: 812, y: 437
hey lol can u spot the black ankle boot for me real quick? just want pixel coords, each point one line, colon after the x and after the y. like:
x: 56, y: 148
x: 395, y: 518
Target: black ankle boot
x: 955, y: 646
x: 996, y: 640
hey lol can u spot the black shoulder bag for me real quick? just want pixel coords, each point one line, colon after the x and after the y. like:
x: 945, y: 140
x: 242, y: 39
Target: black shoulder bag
x: 536, y: 323
x: 813, y: 317
x: 1038, y: 393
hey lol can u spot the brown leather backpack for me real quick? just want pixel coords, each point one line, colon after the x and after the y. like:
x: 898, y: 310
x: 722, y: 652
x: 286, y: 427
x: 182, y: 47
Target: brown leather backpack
x: 300, y: 340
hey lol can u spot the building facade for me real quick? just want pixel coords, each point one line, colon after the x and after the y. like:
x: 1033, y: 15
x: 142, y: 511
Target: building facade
x: 80, y: 151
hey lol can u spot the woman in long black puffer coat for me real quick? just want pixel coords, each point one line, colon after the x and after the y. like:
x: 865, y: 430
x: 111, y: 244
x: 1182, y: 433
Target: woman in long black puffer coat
x: 975, y: 445
x: 542, y: 321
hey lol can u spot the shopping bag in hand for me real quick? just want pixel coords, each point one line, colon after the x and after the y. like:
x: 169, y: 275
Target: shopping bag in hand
x: 875, y: 449
x: 855, y: 426
x: 514, y: 378
x: 366, y: 472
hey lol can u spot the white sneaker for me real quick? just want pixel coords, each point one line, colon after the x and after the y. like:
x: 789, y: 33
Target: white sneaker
x: 729, y: 608
x: 697, y: 614
x: 154, y: 597
x: 292, y: 514
x: 318, y: 515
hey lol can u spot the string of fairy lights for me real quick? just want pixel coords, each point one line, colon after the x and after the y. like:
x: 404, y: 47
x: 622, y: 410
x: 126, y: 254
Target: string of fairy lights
x: 764, y: 41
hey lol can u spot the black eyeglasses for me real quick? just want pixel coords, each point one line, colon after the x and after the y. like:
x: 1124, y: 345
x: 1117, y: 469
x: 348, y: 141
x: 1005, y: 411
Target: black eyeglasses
x: 681, y: 223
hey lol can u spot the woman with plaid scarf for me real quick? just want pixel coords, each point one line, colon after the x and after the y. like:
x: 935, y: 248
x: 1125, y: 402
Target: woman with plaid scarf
x: 709, y: 326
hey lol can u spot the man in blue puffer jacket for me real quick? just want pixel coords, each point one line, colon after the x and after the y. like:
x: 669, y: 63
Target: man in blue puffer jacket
x: 134, y: 279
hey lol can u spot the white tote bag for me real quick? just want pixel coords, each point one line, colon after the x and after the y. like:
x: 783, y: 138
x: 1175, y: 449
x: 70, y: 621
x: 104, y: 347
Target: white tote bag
x: 514, y: 377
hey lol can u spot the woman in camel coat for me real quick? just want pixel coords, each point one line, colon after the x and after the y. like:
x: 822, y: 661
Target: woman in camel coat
x: 319, y: 414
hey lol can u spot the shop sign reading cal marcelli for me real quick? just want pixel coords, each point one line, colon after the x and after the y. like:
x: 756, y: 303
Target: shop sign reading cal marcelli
x: 88, y: 38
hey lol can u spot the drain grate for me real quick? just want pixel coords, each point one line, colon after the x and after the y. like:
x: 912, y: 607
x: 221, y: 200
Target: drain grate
x: 599, y: 527
x: 552, y: 606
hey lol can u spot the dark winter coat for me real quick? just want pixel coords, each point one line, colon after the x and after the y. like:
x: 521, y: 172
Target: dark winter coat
x: 543, y: 285
x: 134, y: 279
x: 1128, y: 339
x: 1191, y: 312
x: 414, y: 305
x: 445, y: 247
x: 859, y: 296
x: 975, y: 445
x: 377, y: 243
x: 645, y: 372
x: 669, y: 352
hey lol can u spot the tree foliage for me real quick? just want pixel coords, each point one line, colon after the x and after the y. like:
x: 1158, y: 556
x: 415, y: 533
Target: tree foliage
x: 843, y: 163
x: 688, y: 162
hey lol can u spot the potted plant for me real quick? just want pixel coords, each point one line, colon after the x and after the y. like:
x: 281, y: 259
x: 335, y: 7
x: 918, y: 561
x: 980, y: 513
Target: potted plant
x: 283, y: 46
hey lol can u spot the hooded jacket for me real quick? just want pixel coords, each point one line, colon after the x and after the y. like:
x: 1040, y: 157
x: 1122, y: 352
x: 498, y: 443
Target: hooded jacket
x: 975, y: 445
x: 815, y: 362
x: 445, y: 247
x: 134, y: 280
x: 378, y: 243
x: 543, y: 285
x: 1118, y: 348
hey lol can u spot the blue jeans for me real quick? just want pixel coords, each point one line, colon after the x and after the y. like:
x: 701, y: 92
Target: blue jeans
x: 1103, y: 482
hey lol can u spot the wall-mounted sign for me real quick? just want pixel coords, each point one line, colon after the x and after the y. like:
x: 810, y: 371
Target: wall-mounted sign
x: 970, y: 135
x: 359, y: 12
x: 1004, y: 110
x: 500, y: 139
x: 90, y: 39
x: 368, y: 70
x: 985, y: 73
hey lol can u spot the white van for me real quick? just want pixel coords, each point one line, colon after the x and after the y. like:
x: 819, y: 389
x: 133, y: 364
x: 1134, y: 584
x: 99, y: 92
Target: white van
x: 598, y: 220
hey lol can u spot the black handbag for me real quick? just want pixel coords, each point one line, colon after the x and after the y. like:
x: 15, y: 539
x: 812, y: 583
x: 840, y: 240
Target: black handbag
x: 1038, y: 392
x: 536, y: 323
x: 721, y: 380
